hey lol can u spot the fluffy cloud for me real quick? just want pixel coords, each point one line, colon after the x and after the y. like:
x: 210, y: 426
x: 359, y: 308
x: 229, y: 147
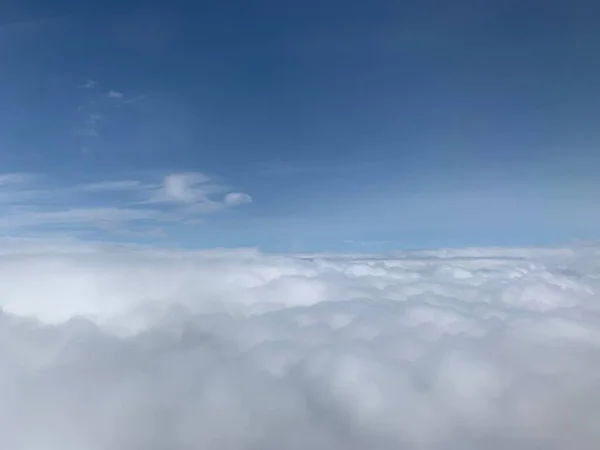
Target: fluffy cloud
x: 128, y: 348
x: 196, y: 192
x: 183, y: 188
x: 7, y: 179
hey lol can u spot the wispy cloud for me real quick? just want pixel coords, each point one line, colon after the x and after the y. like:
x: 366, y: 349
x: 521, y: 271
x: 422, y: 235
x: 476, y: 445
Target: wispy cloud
x: 111, y: 185
x: 19, y: 187
x: 135, y: 99
x: 123, y: 207
x: 95, y: 109
x: 93, y: 118
x: 89, y: 84
x: 16, y: 178
x: 78, y: 216
x: 237, y: 198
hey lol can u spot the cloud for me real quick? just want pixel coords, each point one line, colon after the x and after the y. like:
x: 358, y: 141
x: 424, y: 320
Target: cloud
x: 95, y: 216
x: 95, y: 111
x: 237, y: 198
x: 91, y: 121
x: 111, y: 185
x: 196, y: 192
x: 89, y: 84
x: 135, y: 99
x: 183, y: 188
x: 137, y: 348
x: 16, y: 178
x: 120, y: 207
x: 19, y: 187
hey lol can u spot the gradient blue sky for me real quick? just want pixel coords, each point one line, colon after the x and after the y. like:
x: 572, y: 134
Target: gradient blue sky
x: 301, y: 125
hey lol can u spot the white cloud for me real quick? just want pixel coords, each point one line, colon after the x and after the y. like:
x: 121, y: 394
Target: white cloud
x: 112, y: 206
x: 195, y: 192
x: 112, y: 186
x: 184, y: 188
x: 115, y: 94
x: 237, y: 198
x: 135, y: 99
x: 239, y: 350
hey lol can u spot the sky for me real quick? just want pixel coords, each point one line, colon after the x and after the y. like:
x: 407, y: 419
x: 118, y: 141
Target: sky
x: 300, y: 126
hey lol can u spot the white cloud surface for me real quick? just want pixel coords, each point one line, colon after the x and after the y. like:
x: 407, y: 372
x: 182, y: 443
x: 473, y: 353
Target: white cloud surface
x: 146, y: 349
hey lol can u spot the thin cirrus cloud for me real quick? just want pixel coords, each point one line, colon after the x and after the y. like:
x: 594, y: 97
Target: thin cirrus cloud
x: 89, y: 84
x: 94, y: 110
x: 104, y: 186
x: 115, y: 206
x: 16, y: 178
x: 17, y: 187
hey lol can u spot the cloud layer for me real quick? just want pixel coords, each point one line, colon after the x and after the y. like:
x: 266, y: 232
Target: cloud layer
x: 134, y: 348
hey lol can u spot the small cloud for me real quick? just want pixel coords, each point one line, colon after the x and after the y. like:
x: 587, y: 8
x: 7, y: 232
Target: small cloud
x: 111, y: 186
x: 115, y: 94
x: 135, y: 99
x: 93, y: 118
x: 183, y: 188
x: 237, y: 198
x: 195, y: 192
x: 89, y: 84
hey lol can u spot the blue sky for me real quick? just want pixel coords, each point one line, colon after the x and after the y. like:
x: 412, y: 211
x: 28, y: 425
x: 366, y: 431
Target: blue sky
x: 301, y: 126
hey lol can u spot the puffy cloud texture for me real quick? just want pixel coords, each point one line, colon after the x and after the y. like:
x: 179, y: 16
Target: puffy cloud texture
x: 127, y: 348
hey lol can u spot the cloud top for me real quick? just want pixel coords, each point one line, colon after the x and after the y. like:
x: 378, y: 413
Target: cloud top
x: 136, y: 348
